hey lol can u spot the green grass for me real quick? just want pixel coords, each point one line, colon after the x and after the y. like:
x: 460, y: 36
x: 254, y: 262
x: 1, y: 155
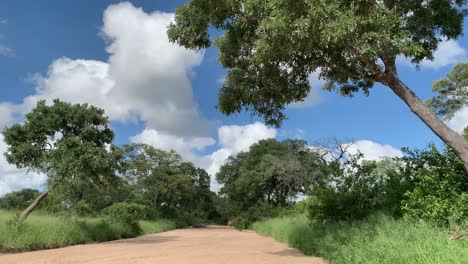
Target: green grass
x: 44, y: 231
x: 379, y: 239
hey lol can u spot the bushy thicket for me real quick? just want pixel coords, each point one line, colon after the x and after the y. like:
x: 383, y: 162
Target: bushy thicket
x: 440, y: 192
x: 127, y: 214
x: 359, y: 188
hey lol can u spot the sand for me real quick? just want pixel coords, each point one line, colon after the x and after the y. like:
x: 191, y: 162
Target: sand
x: 212, y: 245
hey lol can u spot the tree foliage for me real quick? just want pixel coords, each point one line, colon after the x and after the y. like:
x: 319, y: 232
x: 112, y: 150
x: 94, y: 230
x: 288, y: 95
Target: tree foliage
x: 68, y: 143
x: 359, y: 188
x: 271, y: 172
x: 18, y: 200
x: 165, y: 184
x: 271, y: 47
x: 452, y: 92
x: 440, y: 193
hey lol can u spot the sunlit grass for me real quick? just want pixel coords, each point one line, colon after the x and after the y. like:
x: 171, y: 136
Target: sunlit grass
x: 41, y: 231
x: 379, y: 239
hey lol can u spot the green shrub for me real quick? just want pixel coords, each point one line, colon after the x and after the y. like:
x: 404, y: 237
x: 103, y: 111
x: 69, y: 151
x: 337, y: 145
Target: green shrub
x: 81, y: 208
x: 126, y: 213
x: 258, y: 212
x: 191, y: 217
x: 441, y: 187
x: 360, y: 189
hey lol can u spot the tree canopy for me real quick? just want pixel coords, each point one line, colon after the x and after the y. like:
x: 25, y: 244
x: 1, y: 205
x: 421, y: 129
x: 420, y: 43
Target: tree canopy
x: 272, y: 172
x: 271, y: 47
x: 452, y: 92
x: 68, y: 143
x: 166, y: 184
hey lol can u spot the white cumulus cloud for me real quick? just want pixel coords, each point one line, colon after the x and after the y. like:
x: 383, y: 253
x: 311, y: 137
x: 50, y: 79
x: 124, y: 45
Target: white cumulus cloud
x: 185, y: 146
x: 448, y: 52
x: 373, y: 150
x: 146, y: 78
x: 459, y: 120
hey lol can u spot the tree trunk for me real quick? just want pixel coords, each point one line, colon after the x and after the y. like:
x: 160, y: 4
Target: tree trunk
x: 447, y: 135
x: 457, y: 235
x: 33, y: 206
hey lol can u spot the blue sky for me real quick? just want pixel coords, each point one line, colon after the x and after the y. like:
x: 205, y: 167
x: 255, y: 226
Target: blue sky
x: 166, y: 96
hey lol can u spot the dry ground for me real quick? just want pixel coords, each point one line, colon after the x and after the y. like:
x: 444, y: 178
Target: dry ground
x: 212, y: 245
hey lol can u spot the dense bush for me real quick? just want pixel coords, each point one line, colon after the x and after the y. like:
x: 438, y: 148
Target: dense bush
x: 358, y: 189
x: 259, y: 212
x: 125, y: 213
x: 441, y: 187
x: 81, y: 208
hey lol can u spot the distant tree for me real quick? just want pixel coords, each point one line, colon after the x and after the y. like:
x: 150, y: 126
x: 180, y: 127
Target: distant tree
x: 162, y: 181
x: 66, y: 142
x: 272, y: 172
x: 271, y: 47
x: 18, y: 200
x: 452, y: 92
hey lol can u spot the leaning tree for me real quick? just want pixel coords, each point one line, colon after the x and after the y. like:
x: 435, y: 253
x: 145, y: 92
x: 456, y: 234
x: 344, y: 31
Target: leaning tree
x: 272, y: 46
x: 66, y: 142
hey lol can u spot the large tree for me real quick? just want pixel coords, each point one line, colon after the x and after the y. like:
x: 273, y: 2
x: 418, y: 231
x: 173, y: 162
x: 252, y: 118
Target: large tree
x: 271, y: 172
x: 165, y: 183
x: 272, y: 46
x: 68, y: 143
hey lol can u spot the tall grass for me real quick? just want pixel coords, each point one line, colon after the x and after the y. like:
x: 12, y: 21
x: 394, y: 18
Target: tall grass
x: 379, y: 239
x: 45, y: 231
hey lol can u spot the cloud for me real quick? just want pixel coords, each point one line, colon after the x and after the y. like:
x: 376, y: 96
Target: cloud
x: 374, y: 151
x: 313, y: 98
x: 146, y: 78
x: 185, y: 146
x: 240, y: 138
x: 459, y: 120
x: 448, y: 52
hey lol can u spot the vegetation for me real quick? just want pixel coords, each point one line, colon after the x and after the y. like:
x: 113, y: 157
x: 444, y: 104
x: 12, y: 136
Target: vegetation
x: 271, y: 47
x: 67, y: 143
x: 45, y: 231
x: 353, y: 210
x: 260, y: 182
x: 167, y: 186
x: 452, y: 94
x: 378, y: 239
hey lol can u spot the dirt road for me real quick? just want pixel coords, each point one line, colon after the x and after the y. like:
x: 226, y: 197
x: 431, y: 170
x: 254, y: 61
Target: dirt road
x: 213, y: 245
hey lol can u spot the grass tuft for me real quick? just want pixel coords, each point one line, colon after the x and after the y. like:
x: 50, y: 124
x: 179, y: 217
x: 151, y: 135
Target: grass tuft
x: 379, y: 239
x: 46, y: 232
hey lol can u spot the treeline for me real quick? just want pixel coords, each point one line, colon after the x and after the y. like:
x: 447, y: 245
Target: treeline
x: 334, y: 184
x: 152, y: 184
x: 88, y: 176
